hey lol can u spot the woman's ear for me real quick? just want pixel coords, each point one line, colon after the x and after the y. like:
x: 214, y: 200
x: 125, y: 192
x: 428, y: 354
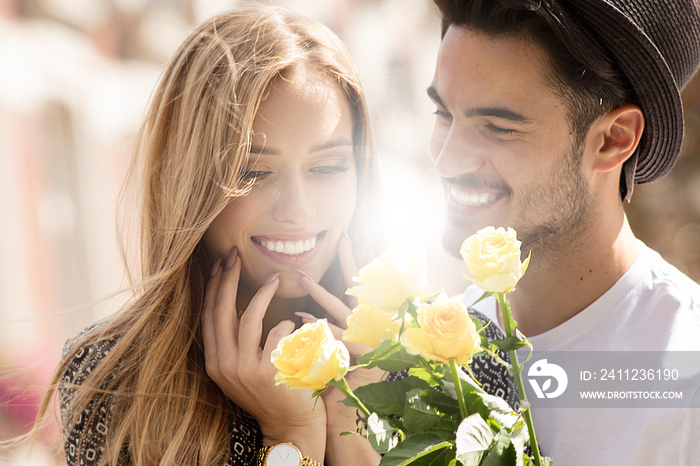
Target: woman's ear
x: 619, y: 132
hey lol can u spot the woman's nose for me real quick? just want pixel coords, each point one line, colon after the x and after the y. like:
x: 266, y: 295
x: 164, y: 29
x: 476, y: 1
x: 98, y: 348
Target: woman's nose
x: 295, y: 202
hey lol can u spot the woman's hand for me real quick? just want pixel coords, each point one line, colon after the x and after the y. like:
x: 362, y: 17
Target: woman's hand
x: 243, y: 370
x: 345, y: 449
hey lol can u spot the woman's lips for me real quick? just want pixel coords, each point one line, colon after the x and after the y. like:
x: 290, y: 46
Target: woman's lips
x: 289, y: 250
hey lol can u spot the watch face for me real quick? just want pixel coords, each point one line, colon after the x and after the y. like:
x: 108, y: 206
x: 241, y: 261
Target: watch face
x: 283, y: 455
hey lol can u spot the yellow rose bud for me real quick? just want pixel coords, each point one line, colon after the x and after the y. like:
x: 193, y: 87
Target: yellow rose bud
x: 370, y: 325
x: 310, y: 357
x: 446, y: 332
x: 399, y: 273
x: 492, y: 256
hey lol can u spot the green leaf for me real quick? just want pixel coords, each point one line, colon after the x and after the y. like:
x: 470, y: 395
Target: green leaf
x: 433, y: 376
x: 473, y: 439
x: 502, y: 452
x: 469, y: 386
x: 386, y: 398
x: 490, y: 406
x: 483, y: 296
x: 419, y: 416
x: 389, y: 356
x: 381, y: 434
x: 506, y: 314
x: 440, y: 401
x: 416, y: 450
x: 510, y: 343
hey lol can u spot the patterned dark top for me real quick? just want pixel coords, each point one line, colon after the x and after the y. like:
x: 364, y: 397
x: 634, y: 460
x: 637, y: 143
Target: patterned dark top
x: 246, y: 438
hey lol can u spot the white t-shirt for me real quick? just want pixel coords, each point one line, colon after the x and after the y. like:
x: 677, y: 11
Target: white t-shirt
x: 653, y: 307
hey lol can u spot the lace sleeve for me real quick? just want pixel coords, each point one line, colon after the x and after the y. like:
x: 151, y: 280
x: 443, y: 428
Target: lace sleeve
x: 84, y: 438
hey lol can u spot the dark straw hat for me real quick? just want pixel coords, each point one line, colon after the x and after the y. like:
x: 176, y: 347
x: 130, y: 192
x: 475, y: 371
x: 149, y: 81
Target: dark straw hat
x: 656, y: 43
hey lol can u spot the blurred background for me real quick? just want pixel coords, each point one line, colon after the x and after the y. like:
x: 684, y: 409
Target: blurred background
x: 75, y: 79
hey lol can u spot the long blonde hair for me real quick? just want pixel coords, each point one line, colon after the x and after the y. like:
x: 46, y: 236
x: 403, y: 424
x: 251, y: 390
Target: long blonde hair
x: 189, y: 158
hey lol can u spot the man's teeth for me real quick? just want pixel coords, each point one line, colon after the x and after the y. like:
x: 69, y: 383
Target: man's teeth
x: 291, y: 248
x: 472, y: 199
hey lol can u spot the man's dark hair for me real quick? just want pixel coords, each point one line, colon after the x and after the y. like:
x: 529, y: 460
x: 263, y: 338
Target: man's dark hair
x: 582, y: 72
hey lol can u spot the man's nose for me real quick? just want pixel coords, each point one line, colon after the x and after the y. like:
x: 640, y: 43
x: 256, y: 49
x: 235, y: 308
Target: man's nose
x: 455, y: 153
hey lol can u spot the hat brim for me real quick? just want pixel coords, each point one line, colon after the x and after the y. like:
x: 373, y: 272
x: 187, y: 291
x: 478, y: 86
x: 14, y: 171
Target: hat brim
x: 653, y: 83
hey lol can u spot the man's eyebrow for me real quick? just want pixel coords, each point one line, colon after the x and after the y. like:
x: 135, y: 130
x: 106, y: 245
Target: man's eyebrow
x: 434, y: 96
x: 498, y: 112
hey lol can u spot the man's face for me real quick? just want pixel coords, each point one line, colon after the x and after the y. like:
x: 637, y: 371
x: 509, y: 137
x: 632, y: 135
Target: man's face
x: 502, y: 143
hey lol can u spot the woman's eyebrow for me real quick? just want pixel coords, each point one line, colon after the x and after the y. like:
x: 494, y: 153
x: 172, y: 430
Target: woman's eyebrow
x: 263, y: 150
x: 340, y: 141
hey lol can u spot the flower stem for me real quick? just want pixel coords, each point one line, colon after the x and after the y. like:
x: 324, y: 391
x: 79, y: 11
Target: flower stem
x: 458, y: 388
x: 515, y: 370
x: 343, y: 386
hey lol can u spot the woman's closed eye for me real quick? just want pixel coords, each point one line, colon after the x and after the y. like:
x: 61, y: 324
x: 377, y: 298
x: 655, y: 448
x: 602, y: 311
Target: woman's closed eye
x: 252, y: 175
x: 330, y: 171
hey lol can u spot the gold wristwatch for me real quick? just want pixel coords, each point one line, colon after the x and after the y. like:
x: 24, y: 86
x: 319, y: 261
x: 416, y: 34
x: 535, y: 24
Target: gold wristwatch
x: 284, y: 454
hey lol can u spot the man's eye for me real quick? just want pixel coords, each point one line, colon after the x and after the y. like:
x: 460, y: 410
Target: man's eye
x: 499, y: 130
x: 442, y: 113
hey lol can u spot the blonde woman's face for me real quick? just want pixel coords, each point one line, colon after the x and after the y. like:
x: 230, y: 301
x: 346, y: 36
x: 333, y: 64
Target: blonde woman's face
x: 305, y: 187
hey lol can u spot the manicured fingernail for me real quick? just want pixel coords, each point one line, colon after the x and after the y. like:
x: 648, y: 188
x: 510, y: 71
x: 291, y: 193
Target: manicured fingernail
x: 231, y: 259
x: 304, y: 274
x: 272, y: 277
x: 306, y: 317
x: 215, y: 269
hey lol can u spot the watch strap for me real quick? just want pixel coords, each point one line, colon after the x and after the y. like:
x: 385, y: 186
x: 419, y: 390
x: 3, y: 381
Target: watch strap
x: 264, y: 451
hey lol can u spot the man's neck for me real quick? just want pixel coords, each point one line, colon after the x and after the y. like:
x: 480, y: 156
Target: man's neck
x: 553, y: 290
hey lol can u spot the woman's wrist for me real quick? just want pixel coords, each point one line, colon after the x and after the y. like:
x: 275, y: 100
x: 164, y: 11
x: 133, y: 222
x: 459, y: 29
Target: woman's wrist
x: 310, y: 438
x: 350, y: 450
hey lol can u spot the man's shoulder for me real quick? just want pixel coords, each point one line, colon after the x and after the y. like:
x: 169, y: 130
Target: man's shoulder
x: 666, y: 281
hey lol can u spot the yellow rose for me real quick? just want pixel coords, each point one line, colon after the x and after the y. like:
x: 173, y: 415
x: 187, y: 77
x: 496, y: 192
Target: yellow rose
x: 446, y: 332
x: 310, y: 357
x: 493, y: 262
x: 399, y: 273
x: 370, y: 325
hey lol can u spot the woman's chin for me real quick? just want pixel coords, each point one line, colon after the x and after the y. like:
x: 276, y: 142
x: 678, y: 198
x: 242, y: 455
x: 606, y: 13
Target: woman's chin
x: 290, y: 288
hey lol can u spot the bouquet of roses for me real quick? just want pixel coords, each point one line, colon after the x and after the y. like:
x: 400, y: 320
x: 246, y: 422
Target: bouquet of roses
x: 436, y: 414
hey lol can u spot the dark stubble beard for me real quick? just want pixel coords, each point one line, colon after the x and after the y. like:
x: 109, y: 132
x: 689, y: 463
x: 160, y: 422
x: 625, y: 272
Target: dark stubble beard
x: 564, y: 205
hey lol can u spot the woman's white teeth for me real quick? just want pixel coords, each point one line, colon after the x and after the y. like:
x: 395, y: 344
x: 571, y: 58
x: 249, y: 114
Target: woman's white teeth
x: 291, y: 248
x: 472, y: 199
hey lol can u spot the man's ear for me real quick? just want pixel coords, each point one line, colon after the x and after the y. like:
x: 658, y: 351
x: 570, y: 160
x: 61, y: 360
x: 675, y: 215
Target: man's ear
x: 619, y: 132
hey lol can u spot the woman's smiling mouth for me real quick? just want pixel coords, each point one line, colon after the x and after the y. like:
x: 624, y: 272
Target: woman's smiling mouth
x: 287, y: 247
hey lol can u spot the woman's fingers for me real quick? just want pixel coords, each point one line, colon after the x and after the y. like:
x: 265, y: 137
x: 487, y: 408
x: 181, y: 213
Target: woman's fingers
x: 276, y: 333
x: 225, y: 317
x: 335, y: 307
x: 208, y: 333
x: 251, y: 322
x: 348, y: 265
